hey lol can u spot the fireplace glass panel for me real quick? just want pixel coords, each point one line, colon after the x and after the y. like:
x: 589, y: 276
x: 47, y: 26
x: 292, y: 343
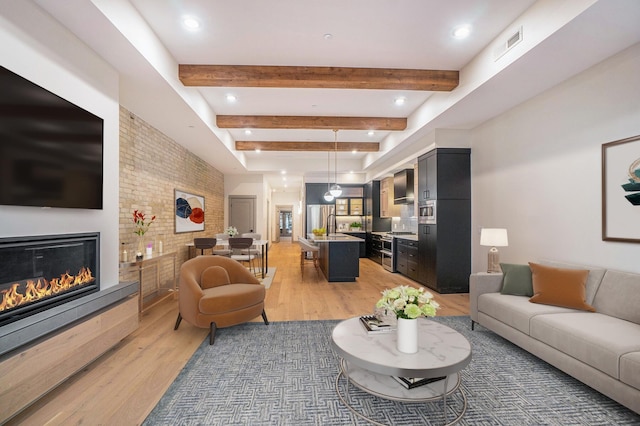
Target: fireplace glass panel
x: 41, y: 272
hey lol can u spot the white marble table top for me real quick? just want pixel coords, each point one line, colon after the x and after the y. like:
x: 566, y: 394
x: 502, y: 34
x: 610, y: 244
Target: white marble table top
x: 441, y: 350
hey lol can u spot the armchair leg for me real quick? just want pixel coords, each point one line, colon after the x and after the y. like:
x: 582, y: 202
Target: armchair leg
x: 473, y: 325
x: 264, y: 317
x: 178, y: 321
x: 212, y: 334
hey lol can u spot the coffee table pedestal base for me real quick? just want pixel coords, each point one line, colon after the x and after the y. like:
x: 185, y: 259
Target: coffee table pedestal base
x: 388, y: 388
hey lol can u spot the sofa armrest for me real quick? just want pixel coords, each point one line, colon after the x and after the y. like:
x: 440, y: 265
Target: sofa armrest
x: 479, y: 284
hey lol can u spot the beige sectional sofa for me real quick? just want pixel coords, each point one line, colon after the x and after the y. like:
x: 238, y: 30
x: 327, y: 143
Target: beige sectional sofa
x: 601, y: 349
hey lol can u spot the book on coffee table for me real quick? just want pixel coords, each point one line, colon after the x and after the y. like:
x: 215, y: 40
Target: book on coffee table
x: 374, y: 325
x: 414, y: 382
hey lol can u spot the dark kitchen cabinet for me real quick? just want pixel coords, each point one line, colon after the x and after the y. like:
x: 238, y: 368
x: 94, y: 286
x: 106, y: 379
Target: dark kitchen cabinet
x: 444, y: 263
x: 362, y: 245
x: 445, y: 174
x: 315, y: 193
x: 406, y: 257
x: 376, y: 245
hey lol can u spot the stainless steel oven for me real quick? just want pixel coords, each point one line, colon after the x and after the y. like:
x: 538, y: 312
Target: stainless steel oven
x: 386, y: 254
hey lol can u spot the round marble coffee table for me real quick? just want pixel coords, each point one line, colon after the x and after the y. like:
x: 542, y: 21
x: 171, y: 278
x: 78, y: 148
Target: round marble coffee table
x: 370, y: 362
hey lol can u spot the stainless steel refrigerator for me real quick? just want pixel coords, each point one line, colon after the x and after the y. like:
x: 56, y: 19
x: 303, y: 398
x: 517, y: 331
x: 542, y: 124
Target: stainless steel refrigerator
x: 321, y: 216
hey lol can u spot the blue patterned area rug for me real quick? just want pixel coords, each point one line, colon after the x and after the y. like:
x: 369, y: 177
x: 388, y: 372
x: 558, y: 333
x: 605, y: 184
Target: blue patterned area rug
x: 284, y: 374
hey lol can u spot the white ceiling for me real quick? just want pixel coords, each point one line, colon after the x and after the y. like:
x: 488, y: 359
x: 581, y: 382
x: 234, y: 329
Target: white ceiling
x: 146, y: 39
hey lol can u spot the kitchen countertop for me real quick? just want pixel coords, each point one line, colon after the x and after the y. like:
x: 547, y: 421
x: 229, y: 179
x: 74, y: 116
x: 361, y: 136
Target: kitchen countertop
x: 332, y: 238
x: 412, y: 237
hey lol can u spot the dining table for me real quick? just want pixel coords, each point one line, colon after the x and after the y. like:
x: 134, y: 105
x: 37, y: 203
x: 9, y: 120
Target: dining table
x: 261, y: 245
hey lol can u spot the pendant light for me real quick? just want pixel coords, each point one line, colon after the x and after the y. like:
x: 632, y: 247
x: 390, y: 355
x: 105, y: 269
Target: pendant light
x: 328, y: 197
x: 335, y: 190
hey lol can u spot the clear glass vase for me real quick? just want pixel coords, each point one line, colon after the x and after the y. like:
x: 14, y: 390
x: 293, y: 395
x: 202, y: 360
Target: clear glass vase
x: 140, y: 248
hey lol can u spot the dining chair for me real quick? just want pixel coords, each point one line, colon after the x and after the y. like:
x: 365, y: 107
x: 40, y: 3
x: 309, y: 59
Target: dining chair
x: 203, y: 244
x: 222, y: 251
x: 241, y: 251
x: 254, y: 247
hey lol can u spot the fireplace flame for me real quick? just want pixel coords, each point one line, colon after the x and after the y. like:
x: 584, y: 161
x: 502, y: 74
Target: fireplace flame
x: 36, y: 290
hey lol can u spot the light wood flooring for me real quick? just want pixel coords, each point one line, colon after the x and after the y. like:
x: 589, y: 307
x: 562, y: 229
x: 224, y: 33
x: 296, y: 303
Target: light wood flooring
x: 123, y: 386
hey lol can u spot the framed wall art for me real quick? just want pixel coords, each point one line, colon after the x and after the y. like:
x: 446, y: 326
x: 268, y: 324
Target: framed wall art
x: 621, y: 190
x: 189, y: 212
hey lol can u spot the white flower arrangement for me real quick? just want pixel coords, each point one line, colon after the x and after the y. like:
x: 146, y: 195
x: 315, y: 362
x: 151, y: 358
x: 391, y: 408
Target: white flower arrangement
x: 408, y: 302
x: 232, y: 231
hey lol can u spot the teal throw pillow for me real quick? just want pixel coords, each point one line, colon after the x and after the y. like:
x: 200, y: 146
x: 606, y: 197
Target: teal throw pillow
x: 516, y: 280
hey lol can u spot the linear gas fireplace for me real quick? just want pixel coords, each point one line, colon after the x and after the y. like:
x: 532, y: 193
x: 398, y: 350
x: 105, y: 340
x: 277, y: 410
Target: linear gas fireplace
x: 40, y: 272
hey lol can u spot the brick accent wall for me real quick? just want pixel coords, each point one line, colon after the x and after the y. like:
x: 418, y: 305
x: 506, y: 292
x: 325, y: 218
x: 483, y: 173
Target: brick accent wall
x: 152, y: 166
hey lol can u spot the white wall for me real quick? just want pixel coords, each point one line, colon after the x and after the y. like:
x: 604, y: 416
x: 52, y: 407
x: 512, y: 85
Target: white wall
x: 248, y: 184
x: 36, y: 47
x: 536, y: 170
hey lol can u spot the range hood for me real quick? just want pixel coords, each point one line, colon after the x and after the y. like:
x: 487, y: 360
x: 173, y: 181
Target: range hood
x: 403, y: 187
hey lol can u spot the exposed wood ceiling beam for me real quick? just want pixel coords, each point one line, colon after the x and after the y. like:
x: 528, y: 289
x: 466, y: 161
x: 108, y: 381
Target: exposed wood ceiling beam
x: 307, y: 146
x: 307, y: 122
x: 317, y: 77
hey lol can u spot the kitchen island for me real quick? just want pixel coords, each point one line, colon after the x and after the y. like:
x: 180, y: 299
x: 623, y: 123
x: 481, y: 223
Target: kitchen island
x: 339, y: 256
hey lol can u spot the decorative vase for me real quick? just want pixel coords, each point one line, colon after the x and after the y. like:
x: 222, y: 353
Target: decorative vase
x: 407, y: 337
x: 140, y: 249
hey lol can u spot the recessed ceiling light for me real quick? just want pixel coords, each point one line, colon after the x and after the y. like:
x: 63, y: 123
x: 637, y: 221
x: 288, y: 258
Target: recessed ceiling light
x: 371, y: 133
x: 328, y: 36
x: 400, y: 100
x: 283, y: 172
x: 191, y: 23
x: 350, y: 172
x: 247, y: 132
x: 461, y: 31
x: 354, y: 151
x: 231, y: 98
x: 257, y: 150
x: 284, y: 178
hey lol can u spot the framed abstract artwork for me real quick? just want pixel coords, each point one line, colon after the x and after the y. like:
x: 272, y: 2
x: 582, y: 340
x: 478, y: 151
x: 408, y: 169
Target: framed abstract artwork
x: 189, y: 212
x: 621, y: 190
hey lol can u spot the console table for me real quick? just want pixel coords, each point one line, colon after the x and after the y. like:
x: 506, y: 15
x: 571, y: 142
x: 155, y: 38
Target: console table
x: 369, y: 362
x: 152, y: 264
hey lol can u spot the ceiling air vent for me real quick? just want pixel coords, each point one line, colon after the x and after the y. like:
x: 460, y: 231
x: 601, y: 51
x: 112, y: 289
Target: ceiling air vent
x: 508, y: 45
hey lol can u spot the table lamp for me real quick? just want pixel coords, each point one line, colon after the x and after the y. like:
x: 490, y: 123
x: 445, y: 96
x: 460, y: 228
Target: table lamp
x: 493, y: 237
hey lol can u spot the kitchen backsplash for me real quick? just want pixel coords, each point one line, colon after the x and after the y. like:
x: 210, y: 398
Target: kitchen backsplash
x: 407, y: 220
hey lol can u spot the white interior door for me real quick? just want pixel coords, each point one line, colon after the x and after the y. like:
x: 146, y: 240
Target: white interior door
x: 242, y: 213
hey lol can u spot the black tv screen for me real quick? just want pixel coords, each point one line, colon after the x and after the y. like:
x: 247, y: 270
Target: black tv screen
x: 50, y: 149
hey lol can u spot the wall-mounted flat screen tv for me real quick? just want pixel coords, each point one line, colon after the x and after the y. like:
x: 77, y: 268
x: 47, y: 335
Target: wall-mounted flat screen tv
x: 51, y: 150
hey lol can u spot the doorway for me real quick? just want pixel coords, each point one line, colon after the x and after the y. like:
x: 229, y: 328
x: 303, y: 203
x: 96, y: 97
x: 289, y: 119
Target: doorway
x: 285, y: 221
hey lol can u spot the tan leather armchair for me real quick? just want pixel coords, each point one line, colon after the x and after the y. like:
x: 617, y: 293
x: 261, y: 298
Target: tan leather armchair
x: 217, y: 292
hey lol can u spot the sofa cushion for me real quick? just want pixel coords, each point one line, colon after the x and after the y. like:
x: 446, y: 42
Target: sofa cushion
x: 596, y: 339
x: 515, y: 311
x: 214, y: 276
x: 516, y: 280
x: 559, y: 287
x: 229, y: 298
x: 593, y: 280
x: 630, y: 369
x: 619, y: 296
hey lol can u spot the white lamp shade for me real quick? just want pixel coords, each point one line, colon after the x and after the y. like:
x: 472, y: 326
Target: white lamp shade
x: 494, y: 237
x: 328, y: 196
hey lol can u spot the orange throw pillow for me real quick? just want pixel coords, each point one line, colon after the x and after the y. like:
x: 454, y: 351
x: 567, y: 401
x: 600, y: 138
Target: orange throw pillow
x: 560, y: 287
